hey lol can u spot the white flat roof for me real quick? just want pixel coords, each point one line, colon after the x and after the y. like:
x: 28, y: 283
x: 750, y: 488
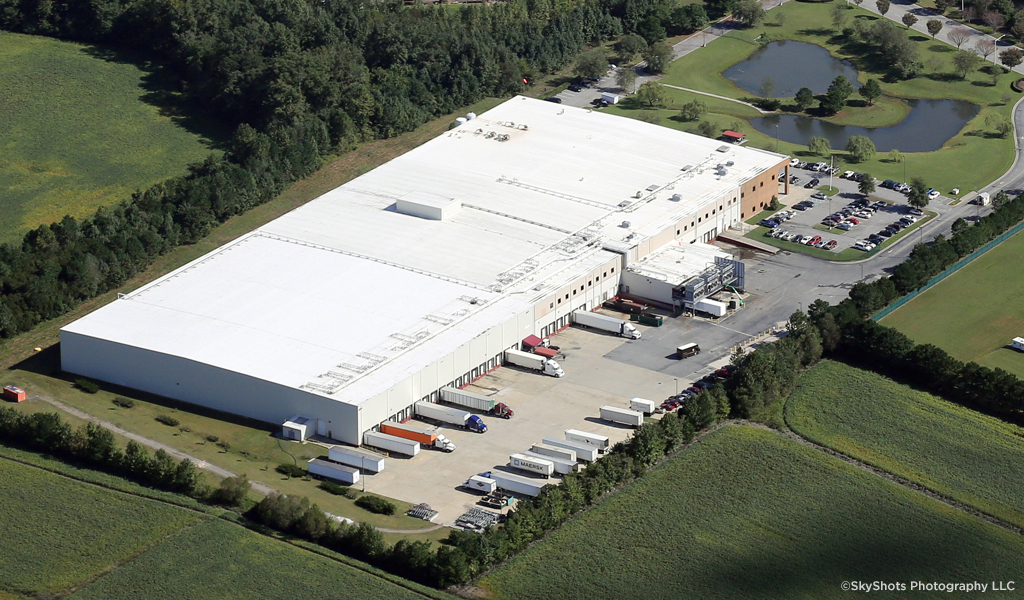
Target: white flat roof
x: 345, y: 296
x: 678, y: 262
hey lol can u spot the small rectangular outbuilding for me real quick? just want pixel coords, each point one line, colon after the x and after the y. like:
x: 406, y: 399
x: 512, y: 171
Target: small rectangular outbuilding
x: 298, y: 428
x: 1018, y: 343
x: 734, y: 136
x: 14, y: 394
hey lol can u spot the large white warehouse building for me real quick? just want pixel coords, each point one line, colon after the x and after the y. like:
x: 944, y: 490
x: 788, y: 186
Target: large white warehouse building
x: 420, y: 273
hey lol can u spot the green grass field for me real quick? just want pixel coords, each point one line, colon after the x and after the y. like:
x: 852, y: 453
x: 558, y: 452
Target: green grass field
x: 747, y: 513
x: 80, y: 130
x: 974, y: 313
x: 971, y: 158
x: 957, y: 452
x: 59, y: 532
x: 219, y: 560
x: 62, y: 535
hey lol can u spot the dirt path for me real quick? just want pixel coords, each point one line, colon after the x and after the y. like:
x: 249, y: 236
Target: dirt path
x: 179, y: 455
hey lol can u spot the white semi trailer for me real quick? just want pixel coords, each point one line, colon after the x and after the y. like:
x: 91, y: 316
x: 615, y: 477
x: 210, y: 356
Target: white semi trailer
x: 642, y: 405
x: 332, y: 470
x: 557, y: 452
x: 584, y: 452
x: 711, y: 307
x: 354, y: 457
x: 391, y: 443
x: 450, y: 415
x: 531, y: 464
x: 591, y: 439
x: 623, y: 416
x: 516, y: 484
x: 534, y: 362
x: 562, y: 466
x: 605, y: 323
x: 477, y: 402
x: 479, y: 483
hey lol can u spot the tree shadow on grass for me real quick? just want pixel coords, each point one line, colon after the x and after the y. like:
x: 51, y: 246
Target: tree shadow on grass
x: 944, y: 77
x: 919, y: 38
x: 162, y: 89
x: 941, y: 48
x: 818, y: 31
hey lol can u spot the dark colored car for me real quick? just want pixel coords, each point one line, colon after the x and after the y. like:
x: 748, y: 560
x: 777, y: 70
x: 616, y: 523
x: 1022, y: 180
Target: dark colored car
x: 554, y: 99
x: 575, y: 88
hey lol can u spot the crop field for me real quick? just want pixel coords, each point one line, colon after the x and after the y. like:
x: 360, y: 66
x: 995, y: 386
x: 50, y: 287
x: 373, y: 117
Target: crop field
x: 962, y: 454
x: 60, y: 532
x: 747, y: 513
x: 219, y: 560
x: 64, y: 535
x: 974, y: 313
x: 80, y: 131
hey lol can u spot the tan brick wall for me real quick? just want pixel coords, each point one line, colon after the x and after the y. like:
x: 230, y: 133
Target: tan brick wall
x: 758, y: 192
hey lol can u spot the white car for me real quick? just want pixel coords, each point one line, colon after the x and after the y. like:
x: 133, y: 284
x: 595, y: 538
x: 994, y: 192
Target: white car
x: 847, y: 174
x: 916, y: 211
x: 933, y: 195
x: 794, y: 162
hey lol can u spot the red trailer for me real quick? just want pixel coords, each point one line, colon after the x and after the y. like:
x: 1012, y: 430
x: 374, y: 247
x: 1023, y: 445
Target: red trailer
x: 14, y: 394
x: 546, y: 352
x: 531, y: 341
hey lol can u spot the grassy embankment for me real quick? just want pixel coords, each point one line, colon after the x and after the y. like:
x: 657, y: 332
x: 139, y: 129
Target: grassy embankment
x: 83, y: 127
x: 747, y: 513
x: 974, y: 313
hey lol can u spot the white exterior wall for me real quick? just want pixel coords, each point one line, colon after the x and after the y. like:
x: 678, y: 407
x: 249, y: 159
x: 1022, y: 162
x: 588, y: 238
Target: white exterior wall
x: 636, y: 284
x: 203, y: 385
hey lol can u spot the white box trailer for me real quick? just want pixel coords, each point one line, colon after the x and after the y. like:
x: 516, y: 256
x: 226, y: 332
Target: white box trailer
x: 391, y: 443
x: 712, y: 307
x: 534, y: 362
x: 610, y: 98
x: 516, y: 484
x: 1018, y: 343
x: 531, y: 464
x: 584, y: 452
x: 450, y: 415
x: 591, y: 439
x: 557, y: 452
x: 479, y: 483
x: 622, y: 415
x: 354, y: 457
x: 333, y: 470
x: 642, y: 405
x: 477, y: 402
x: 605, y: 323
x: 562, y: 467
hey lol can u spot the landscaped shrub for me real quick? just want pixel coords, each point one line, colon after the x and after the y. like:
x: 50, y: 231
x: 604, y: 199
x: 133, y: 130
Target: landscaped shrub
x: 123, y: 402
x: 212, y: 439
x: 291, y: 470
x: 89, y: 387
x: 168, y: 420
x: 333, y: 488
x: 376, y: 504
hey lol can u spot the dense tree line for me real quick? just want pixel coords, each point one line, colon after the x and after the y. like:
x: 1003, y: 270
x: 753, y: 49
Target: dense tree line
x: 299, y: 80
x: 95, y: 447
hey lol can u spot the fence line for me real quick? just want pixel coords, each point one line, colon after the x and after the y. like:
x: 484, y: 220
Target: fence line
x: 963, y: 262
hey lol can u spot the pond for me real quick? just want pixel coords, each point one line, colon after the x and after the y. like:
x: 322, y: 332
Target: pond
x: 790, y: 65
x: 927, y: 127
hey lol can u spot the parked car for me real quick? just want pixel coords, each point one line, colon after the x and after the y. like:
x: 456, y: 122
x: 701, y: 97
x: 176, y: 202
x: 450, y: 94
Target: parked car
x: 916, y: 211
x: 768, y: 223
x: 794, y: 162
x: 793, y: 179
x: 885, y: 233
x: 831, y: 245
x: 844, y: 226
x: 933, y: 194
x: 575, y: 88
x: 554, y: 99
x: 819, y: 196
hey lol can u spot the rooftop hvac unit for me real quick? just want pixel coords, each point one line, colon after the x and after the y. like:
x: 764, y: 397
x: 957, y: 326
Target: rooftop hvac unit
x: 624, y: 203
x: 676, y: 197
x: 723, y: 148
x: 460, y: 121
x: 470, y: 116
x: 625, y: 224
x: 687, y: 168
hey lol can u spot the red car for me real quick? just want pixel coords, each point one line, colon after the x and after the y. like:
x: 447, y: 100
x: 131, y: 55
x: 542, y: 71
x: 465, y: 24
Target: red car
x: 831, y: 245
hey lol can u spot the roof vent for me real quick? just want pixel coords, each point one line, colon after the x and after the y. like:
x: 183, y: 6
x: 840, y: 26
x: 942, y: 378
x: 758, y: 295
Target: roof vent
x: 624, y: 203
x: 676, y: 197
x: 687, y: 168
x: 625, y: 224
x: 638, y: 194
x: 723, y: 148
x: 427, y: 205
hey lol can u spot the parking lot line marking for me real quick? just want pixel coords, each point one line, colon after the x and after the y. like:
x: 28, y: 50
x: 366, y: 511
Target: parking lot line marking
x: 733, y: 330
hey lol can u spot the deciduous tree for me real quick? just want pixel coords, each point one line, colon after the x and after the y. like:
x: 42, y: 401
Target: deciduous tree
x: 749, y: 12
x: 1011, y: 57
x: 820, y: 146
x: 651, y: 93
x: 693, y: 110
x: 591, y: 64
x: 866, y: 185
x: 909, y: 19
x: 934, y: 27
x: 958, y: 35
x: 804, y: 98
x: 964, y: 62
x: 985, y: 47
x: 882, y: 6
x: 860, y: 147
x: 658, y: 55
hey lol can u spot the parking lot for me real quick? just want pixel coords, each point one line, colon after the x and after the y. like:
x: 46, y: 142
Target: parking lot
x: 544, y: 407
x: 889, y: 208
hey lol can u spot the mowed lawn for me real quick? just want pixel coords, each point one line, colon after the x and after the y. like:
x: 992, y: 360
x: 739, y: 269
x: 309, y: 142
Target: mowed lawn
x: 962, y: 454
x: 58, y: 532
x: 747, y: 513
x: 219, y: 560
x: 974, y: 313
x: 77, y: 132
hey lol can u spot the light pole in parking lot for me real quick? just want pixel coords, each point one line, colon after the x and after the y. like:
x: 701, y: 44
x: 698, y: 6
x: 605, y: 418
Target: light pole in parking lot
x: 776, y: 138
x: 677, y: 386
